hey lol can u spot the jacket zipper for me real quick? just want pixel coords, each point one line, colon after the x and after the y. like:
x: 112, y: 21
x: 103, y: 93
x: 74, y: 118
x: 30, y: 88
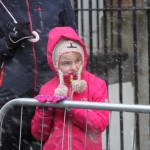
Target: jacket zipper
x: 2, y: 73
x: 33, y: 49
x: 41, y: 18
x: 69, y: 122
x: 92, y: 142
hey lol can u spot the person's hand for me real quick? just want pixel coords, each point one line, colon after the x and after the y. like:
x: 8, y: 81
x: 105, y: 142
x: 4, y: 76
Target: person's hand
x: 49, y: 98
x: 20, y: 31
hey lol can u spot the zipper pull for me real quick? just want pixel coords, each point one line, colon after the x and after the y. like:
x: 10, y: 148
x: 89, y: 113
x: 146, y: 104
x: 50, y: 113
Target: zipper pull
x: 71, y: 78
x: 2, y: 65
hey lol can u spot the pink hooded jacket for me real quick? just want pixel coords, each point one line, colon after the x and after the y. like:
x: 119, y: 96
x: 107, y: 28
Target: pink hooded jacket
x: 73, y: 134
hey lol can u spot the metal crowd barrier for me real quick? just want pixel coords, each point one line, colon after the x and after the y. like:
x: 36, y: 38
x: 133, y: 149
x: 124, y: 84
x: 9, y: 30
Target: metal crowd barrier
x: 72, y: 104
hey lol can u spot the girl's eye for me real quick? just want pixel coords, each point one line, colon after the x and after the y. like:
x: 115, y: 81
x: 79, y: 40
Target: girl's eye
x: 78, y: 60
x: 66, y: 63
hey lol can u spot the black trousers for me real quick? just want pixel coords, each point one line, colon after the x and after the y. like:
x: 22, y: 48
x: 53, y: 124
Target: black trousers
x: 11, y: 130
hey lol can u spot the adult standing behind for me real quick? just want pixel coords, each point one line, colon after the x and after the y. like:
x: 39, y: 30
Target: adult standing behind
x: 24, y: 66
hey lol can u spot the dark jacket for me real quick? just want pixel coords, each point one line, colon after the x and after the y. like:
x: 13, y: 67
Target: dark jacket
x: 26, y: 69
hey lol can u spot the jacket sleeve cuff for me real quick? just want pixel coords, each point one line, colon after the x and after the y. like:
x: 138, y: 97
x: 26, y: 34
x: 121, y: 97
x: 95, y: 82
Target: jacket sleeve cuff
x: 46, y: 111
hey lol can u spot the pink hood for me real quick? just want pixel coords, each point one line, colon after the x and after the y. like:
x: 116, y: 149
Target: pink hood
x: 59, y: 33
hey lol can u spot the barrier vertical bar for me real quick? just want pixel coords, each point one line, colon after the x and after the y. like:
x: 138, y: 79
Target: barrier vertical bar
x: 82, y: 21
x: 98, y: 25
x: 120, y: 71
x: 91, y: 37
x: 105, y: 43
x: 75, y: 4
x: 111, y: 27
x: 148, y: 26
x: 135, y: 73
x: 105, y: 61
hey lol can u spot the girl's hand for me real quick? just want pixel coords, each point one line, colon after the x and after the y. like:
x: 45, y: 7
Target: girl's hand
x: 49, y: 98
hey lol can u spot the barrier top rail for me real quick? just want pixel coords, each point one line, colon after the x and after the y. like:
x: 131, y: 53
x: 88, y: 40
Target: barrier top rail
x: 76, y: 104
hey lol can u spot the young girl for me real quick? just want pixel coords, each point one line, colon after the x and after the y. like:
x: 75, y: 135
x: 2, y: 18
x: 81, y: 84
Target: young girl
x: 67, y: 57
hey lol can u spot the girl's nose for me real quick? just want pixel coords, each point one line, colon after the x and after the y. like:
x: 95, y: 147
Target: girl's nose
x: 74, y: 67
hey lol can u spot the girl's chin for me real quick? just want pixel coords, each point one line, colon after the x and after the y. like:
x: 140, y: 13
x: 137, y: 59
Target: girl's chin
x: 74, y: 73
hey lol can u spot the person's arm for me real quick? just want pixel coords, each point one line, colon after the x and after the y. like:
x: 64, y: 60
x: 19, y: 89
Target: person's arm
x: 37, y: 120
x: 97, y: 119
x: 8, y: 43
x: 4, y: 51
x: 41, y: 121
x: 68, y: 16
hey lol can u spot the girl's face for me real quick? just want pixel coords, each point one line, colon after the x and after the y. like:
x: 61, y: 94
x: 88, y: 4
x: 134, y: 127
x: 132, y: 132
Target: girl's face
x: 70, y: 62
